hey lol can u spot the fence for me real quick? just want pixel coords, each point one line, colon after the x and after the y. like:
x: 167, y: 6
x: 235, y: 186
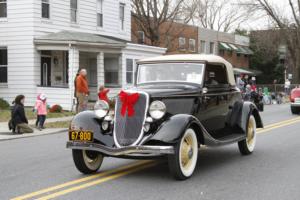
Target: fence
x: 276, y: 87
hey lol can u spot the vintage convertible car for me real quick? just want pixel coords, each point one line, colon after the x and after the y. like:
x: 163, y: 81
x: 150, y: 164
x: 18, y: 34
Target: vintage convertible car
x: 178, y: 103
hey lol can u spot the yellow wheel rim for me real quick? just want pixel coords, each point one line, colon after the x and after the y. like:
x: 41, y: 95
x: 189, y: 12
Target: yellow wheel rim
x: 187, y: 151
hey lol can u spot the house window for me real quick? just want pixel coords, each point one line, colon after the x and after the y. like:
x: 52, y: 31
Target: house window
x: 45, y: 9
x: 111, y: 71
x: 211, y: 47
x: 100, y: 13
x: 3, y: 8
x: 129, y: 71
x: 141, y: 37
x: 181, y: 42
x: 74, y: 11
x: 122, y: 15
x: 3, y: 65
x: 202, y: 46
x: 192, y: 45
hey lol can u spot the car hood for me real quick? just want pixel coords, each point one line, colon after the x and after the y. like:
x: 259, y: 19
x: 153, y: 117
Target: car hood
x: 165, y: 90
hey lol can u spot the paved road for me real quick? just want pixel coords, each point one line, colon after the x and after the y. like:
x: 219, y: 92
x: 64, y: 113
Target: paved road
x: 271, y: 172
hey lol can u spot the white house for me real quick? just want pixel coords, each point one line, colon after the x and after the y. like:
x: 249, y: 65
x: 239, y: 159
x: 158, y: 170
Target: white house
x: 43, y: 43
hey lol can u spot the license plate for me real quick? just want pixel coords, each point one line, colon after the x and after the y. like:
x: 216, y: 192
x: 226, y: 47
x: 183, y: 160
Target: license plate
x: 83, y: 136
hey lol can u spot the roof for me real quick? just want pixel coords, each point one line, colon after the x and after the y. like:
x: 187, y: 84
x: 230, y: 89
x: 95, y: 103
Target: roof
x: 79, y: 37
x: 193, y: 58
x: 187, y: 57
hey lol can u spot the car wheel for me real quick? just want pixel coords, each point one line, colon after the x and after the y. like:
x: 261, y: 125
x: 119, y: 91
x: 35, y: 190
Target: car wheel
x: 294, y: 110
x: 87, y: 162
x: 247, y: 145
x: 183, y: 162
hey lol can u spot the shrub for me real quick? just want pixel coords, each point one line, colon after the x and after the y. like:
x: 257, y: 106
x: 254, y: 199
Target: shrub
x: 56, y: 109
x: 4, y: 104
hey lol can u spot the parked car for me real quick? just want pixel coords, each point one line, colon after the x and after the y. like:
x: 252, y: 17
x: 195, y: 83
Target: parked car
x: 295, y: 101
x: 178, y: 103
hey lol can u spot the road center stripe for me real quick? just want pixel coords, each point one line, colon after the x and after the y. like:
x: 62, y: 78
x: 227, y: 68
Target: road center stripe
x: 96, y: 182
x: 81, y: 180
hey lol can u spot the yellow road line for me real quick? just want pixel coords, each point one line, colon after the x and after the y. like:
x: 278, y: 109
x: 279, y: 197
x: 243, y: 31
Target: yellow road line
x: 70, y: 183
x: 282, y: 122
x: 96, y: 182
x: 278, y: 126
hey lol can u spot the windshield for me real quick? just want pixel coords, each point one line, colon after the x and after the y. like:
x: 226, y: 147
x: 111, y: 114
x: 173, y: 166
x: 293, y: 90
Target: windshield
x: 170, y: 72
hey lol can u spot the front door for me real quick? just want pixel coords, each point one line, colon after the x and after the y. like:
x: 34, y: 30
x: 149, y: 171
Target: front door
x: 215, y: 103
x: 46, y: 71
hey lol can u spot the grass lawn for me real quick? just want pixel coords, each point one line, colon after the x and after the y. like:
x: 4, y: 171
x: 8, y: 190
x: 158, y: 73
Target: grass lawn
x: 5, y: 115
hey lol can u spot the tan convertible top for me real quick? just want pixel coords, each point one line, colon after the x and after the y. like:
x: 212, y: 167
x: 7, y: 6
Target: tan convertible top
x: 212, y: 59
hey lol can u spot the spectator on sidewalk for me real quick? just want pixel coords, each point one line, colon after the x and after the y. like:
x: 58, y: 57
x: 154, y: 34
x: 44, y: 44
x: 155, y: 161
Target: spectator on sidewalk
x: 41, y: 109
x: 103, y: 94
x: 19, y: 117
x: 287, y: 85
x: 75, y: 95
x: 240, y: 83
x: 82, y: 90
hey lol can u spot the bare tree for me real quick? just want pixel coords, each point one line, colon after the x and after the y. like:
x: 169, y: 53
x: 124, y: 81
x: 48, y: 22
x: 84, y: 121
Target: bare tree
x: 220, y: 15
x: 288, y: 23
x: 151, y: 15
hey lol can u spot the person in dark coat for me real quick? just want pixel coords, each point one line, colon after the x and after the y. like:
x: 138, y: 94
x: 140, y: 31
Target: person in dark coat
x: 19, y: 117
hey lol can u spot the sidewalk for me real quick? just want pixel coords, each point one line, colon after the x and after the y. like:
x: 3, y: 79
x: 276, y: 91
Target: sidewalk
x: 5, y: 134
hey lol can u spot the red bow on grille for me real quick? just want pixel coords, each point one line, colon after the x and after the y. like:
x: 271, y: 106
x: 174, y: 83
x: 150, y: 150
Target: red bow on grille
x: 128, y: 102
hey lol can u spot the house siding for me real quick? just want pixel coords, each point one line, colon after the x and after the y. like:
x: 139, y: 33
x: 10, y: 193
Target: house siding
x: 16, y: 33
x: 87, y: 21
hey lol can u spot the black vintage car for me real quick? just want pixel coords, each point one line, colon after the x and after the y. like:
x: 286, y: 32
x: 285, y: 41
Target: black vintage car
x: 178, y: 103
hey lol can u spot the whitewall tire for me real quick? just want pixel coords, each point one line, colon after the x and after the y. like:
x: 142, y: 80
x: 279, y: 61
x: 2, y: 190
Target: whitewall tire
x: 87, y: 162
x: 247, y: 145
x: 183, y: 163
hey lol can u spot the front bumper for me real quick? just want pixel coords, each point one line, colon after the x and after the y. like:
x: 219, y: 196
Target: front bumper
x: 295, y: 104
x: 123, y: 151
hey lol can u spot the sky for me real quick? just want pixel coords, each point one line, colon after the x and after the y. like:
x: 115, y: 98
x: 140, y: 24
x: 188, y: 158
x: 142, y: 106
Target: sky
x: 263, y: 22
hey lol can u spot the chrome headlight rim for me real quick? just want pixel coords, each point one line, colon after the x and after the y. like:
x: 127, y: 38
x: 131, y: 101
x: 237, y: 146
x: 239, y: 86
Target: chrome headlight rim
x: 157, y: 109
x: 101, y: 108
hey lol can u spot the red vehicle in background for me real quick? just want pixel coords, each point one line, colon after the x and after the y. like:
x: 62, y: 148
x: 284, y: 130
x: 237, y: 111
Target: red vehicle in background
x: 295, y: 101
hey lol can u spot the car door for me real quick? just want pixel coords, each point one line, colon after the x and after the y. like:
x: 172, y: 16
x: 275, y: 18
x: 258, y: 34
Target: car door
x: 215, y: 103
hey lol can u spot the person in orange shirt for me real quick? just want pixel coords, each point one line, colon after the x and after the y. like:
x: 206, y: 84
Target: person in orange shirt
x: 82, y: 90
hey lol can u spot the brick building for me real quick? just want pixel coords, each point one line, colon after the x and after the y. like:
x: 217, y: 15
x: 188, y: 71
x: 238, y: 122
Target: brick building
x: 182, y: 38
x: 176, y: 37
x: 234, y: 48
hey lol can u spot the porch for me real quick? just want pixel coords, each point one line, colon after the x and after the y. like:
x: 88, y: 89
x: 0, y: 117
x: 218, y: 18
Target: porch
x: 109, y: 62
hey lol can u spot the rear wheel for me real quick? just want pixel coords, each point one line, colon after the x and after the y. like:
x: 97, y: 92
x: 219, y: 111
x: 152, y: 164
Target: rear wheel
x: 247, y: 145
x: 183, y: 163
x: 295, y: 110
x: 87, y: 162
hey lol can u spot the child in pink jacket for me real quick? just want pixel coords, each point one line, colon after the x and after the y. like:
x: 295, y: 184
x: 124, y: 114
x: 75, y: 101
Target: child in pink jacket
x: 41, y: 109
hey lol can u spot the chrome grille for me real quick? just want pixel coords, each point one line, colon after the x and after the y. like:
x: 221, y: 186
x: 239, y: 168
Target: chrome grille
x: 128, y: 130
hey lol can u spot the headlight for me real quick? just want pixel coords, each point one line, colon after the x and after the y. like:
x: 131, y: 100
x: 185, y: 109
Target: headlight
x: 157, y: 109
x: 101, y: 108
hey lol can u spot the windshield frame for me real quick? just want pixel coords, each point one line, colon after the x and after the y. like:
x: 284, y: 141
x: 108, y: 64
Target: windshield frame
x: 170, y: 81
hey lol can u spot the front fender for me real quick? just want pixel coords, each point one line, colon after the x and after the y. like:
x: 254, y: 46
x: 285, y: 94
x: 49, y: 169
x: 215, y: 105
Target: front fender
x: 240, y: 113
x: 87, y: 120
x: 172, y: 129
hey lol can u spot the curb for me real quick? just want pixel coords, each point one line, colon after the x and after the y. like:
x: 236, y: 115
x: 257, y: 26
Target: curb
x: 28, y: 135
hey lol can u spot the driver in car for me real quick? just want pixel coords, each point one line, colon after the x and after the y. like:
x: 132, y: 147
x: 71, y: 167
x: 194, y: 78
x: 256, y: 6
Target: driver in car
x: 210, y: 79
